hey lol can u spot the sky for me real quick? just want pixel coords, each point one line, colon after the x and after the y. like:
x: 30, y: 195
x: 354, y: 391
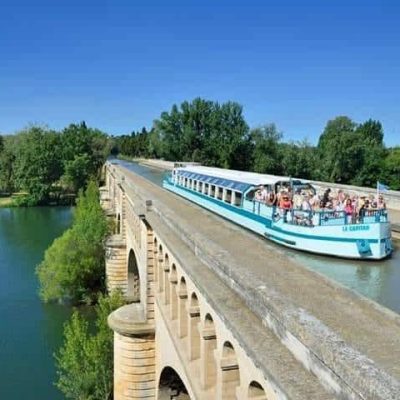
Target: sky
x: 119, y: 64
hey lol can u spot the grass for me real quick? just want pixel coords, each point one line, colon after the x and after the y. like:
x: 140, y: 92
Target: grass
x: 6, y: 201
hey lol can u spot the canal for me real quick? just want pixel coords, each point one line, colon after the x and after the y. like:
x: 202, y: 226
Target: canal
x: 30, y: 331
x: 377, y: 280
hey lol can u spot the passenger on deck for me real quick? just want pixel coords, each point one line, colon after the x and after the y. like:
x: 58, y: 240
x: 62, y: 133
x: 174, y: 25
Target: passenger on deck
x: 381, y: 204
x: 285, y: 205
x: 258, y: 195
x: 264, y: 194
x: 306, y: 205
x: 297, y: 199
x: 325, y: 198
x: 349, y: 211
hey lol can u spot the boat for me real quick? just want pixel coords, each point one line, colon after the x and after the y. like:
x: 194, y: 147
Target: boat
x: 234, y: 196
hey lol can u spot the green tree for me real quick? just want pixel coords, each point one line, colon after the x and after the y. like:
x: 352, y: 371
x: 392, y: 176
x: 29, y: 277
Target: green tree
x: 265, y: 140
x: 85, y: 360
x: 371, y: 152
x: 391, y: 168
x: 7, y: 158
x: 339, y: 152
x: 73, y: 266
x: 84, y: 151
x: 203, y: 131
x: 298, y: 159
x: 37, y: 164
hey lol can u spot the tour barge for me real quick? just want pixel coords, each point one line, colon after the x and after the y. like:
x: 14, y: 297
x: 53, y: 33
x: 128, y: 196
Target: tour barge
x: 232, y: 194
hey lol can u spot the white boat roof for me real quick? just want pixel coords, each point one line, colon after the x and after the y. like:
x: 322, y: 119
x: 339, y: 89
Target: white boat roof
x: 250, y: 178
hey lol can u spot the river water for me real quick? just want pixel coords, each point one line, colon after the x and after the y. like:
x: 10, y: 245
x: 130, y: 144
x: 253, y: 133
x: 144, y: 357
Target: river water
x: 30, y: 331
x: 377, y: 280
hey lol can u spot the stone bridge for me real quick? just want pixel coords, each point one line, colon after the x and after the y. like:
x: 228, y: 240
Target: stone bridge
x: 214, y: 312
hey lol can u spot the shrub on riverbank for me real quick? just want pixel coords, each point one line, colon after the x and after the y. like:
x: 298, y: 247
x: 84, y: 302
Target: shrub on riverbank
x: 74, y: 267
x: 85, y: 360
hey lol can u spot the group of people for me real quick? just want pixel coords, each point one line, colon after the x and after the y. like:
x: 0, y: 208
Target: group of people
x: 353, y: 206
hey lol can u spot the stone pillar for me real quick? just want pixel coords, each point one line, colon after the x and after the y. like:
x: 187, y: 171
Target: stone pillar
x: 134, y: 354
x: 116, y: 264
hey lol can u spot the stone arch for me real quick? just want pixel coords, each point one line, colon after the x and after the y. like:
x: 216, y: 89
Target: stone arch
x: 118, y: 227
x: 182, y: 314
x: 228, y: 373
x: 194, y: 334
x: 173, y: 280
x: 171, y: 386
x: 256, y: 391
x: 166, y: 279
x: 155, y: 258
x: 160, y: 263
x: 133, y: 291
x: 208, y: 346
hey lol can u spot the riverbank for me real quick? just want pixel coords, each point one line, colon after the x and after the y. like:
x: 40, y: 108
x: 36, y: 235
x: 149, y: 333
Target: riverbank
x: 6, y: 202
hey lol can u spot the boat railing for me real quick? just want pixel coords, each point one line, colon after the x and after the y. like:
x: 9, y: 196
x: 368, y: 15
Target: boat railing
x: 319, y: 218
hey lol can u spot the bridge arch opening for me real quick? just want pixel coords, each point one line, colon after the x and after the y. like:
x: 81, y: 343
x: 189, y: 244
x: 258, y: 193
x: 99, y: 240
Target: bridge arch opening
x: 155, y: 258
x: 166, y: 279
x: 207, y: 348
x: 182, y: 313
x: 194, y: 334
x: 256, y: 391
x: 171, y: 386
x: 118, y: 227
x: 173, y: 280
x: 229, y: 370
x: 160, y: 263
x: 133, y: 291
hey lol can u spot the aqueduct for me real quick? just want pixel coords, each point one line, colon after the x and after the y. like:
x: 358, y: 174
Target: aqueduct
x: 214, y: 313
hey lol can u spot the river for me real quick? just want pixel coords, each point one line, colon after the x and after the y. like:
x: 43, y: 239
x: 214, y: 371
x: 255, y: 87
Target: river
x: 377, y: 280
x: 30, y: 331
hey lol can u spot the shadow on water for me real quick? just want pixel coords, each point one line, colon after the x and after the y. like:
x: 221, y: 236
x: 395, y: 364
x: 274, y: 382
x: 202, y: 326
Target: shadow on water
x: 377, y: 280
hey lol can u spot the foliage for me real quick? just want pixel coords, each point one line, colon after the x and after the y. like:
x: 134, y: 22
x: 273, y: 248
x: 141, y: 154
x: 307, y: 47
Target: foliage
x: 48, y: 164
x: 37, y: 162
x: 392, y: 168
x: 265, y: 142
x: 73, y: 266
x: 84, y: 151
x: 201, y: 130
x: 85, y: 360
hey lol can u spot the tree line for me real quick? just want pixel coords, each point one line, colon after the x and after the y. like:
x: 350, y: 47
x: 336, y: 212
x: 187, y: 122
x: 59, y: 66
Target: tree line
x: 47, y: 164
x: 217, y: 135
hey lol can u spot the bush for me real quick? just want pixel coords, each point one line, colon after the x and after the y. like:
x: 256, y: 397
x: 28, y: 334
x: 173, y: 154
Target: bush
x: 74, y: 265
x: 85, y: 360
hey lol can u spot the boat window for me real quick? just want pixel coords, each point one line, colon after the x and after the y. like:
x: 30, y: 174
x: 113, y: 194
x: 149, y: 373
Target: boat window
x: 195, y: 185
x: 238, y: 199
x: 206, y: 188
x: 185, y: 183
x: 219, y: 192
x: 228, y: 195
x: 201, y: 187
x: 212, y: 194
x: 250, y: 195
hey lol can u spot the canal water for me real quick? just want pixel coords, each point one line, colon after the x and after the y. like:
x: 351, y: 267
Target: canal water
x: 377, y: 280
x: 30, y: 331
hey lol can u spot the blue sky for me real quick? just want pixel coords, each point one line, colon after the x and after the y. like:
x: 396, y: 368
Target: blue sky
x: 119, y: 64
